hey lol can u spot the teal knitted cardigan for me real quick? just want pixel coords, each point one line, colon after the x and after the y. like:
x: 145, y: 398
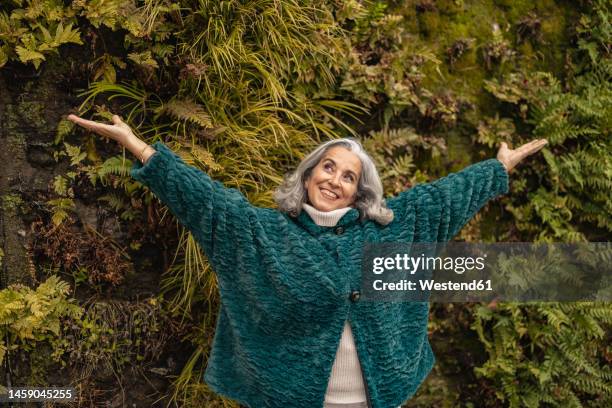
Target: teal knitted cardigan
x: 285, y: 283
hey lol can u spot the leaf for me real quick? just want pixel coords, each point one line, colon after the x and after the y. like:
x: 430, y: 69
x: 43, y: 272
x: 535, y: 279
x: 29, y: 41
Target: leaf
x: 189, y: 111
x: 64, y: 128
x: 75, y: 154
x: 144, y: 59
x: 26, y: 55
x: 66, y: 35
x: 205, y: 157
x: 3, y: 58
x: 46, y: 34
x: 60, y: 185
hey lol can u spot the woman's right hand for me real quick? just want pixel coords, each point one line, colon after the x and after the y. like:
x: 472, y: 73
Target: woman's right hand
x: 118, y: 131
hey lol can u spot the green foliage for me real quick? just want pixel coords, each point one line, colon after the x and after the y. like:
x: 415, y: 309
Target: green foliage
x: 579, y: 168
x: 120, y: 205
x: 187, y: 111
x: 394, y: 152
x: 60, y: 209
x: 551, y: 354
x: 243, y: 89
x: 28, y: 34
x: 31, y: 317
x: 386, y: 65
x: 113, y: 334
x: 557, y: 354
x: 31, y: 29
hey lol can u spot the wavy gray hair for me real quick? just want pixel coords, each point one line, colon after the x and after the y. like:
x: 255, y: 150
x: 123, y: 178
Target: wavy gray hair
x: 291, y: 194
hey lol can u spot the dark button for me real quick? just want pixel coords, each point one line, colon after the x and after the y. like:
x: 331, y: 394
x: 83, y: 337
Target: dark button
x: 339, y: 230
x: 355, y: 295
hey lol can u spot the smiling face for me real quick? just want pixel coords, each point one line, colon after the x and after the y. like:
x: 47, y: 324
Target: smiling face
x: 333, y: 181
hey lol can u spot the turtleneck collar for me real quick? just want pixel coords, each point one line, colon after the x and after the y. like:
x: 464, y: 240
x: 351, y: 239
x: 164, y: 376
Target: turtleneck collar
x: 349, y: 216
x: 325, y: 218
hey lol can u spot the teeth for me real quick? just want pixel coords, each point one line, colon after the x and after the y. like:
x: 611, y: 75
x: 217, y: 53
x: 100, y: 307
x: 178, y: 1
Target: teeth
x: 329, y: 194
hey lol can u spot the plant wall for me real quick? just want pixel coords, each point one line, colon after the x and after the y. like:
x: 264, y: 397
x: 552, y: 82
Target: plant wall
x: 120, y: 295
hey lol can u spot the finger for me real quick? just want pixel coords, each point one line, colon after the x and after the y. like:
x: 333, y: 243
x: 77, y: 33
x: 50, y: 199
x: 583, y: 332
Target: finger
x: 524, y: 149
x: 97, y: 127
x: 82, y: 122
x: 504, y: 146
x: 532, y: 149
x: 538, y: 146
x: 528, y: 145
x: 116, y: 119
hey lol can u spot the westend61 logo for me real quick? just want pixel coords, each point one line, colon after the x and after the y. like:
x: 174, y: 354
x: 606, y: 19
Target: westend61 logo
x: 467, y: 272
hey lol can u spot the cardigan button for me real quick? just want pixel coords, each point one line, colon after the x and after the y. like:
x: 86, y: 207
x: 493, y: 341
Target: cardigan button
x: 355, y: 295
x: 339, y: 230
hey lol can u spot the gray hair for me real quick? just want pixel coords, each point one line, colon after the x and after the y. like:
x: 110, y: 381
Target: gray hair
x: 292, y: 194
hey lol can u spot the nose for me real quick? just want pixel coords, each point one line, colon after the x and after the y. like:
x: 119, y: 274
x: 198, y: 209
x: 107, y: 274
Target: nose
x: 335, y: 180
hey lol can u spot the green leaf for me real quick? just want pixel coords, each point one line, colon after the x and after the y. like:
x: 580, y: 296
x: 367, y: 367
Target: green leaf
x: 66, y: 35
x: 26, y: 55
x: 75, y: 154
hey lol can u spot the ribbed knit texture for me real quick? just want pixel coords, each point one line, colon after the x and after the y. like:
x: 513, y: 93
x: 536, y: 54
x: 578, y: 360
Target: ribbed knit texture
x: 345, y: 386
x: 325, y: 218
x: 285, y: 283
x: 346, y: 382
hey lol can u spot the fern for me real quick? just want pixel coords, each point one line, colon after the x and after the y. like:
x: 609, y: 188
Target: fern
x: 60, y: 209
x: 29, y: 317
x: 62, y: 36
x: 115, y: 165
x: 189, y: 111
x: 144, y: 59
x: 115, y: 201
x: 563, y: 359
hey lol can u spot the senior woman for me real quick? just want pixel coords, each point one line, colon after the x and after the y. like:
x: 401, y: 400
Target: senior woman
x: 291, y: 331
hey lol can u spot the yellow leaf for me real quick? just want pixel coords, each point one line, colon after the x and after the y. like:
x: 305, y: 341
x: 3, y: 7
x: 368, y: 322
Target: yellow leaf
x: 66, y: 35
x: 26, y: 55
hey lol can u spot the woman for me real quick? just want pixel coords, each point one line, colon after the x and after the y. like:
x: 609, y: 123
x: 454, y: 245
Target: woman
x: 291, y: 331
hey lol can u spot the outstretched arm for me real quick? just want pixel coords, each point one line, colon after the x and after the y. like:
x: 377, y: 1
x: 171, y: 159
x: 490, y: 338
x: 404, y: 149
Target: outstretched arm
x: 211, y: 211
x: 120, y: 132
x: 204, y: 206
x: 443, y: 207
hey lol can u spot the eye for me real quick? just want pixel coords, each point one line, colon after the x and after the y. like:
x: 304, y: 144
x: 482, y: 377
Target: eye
x: 328, y: 166
x: 350, y: 178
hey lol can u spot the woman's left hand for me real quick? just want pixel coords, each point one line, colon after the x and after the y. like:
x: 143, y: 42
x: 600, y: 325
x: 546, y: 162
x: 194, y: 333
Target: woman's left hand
x: 510, y: 158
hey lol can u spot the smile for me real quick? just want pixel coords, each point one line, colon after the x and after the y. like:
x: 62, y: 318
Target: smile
x: 328, y: 194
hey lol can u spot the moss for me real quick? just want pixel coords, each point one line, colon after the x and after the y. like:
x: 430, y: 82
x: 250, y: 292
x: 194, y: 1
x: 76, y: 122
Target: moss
x: 450, y: 7
x: 555, y: 41
x: 503, y: 3
x: 16, y: 143
x: 460, y: 149
x: 528, y: 56
x: 411, y: 21
x: 11, y: 202
x: 456, y: 30
x: 11, y: 119
x: 34, y: 111
x: 429, y: 23
x: 514, y: 9
x: 439, y: 29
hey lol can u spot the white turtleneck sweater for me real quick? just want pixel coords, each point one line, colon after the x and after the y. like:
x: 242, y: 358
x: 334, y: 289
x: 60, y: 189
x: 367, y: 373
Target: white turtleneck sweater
x: 346, y: 381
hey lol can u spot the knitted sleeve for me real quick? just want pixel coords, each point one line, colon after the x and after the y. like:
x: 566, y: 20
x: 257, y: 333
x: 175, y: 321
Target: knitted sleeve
x: 204, y: 206
x: 441, y: 208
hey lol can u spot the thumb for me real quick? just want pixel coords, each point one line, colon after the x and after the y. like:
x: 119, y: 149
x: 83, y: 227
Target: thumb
x: 504, y: 145
x: 116, y: 119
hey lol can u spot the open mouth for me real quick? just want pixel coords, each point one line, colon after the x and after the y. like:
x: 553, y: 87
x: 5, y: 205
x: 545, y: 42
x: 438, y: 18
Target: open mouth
x: 330, y: 195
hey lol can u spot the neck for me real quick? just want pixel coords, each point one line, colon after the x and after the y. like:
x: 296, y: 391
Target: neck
x: 325, y: 218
